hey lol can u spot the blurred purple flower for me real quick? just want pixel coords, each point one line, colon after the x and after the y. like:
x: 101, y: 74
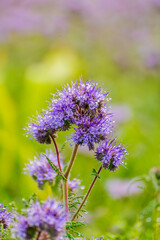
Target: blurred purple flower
x: 122, y: 113
x: 153, y: 60
x: 48, y: 217
x: 56, y: 19
x: 5, y: 217
x: 74, y: 184
x: 156, y: 3
x: 118, y: 188
x: 40, y: 169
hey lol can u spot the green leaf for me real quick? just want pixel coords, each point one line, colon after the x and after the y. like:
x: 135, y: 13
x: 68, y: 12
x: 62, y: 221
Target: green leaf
x: 94, y: 173
x: 55, y: 186
x: 62, y: 147
x: 70, y: 236
x: 54, y: 167
x: 74, y: 224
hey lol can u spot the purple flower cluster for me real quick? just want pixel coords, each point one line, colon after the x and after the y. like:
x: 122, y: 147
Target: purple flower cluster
x: 41, y: 130
x: 40, y: 170
x: 5, y: 217
x: 81, y: 105
x: 110, y: 154
x: 46, y: 219
x: 84, y: 107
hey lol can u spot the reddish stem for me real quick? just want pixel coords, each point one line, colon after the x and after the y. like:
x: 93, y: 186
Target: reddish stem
x: 66, y: 196
x: 57, y: 153
x: 87, y: 194
x: 38, y: 235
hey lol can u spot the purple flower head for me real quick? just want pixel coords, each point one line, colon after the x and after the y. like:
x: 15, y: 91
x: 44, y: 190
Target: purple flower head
x: 40, y: 169
x: 77, y: 102
x: 47, y: 218
x: 74, y: 184
x: 90, y: 114
x: 91, y: 131
x: 22, y: 229
x: 5, y: 217
x: 110, y: 154
x: 42, y: 130
x: 85, y: 96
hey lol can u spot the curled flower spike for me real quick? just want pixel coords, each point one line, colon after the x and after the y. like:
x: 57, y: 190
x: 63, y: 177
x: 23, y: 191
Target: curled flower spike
x: 110, y: 154
x: 40, y: 170
x: 41, y: 129
x: 46, y: 219
x: 91, y: 131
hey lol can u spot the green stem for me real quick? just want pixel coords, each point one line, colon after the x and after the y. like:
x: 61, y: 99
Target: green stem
x: 65, y: 195
x: 87, y: 194
x: 65, y: 182
x: 65, y: 187
x: 71, y: 161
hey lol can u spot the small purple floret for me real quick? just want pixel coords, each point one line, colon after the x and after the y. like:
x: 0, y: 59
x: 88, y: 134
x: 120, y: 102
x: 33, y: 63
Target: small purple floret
x: 110, y: 154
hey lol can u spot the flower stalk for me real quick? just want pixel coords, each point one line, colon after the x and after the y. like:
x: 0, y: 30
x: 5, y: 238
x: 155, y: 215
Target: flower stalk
x: 87, y: 194
x: 38, y: 235
x: 71, y: 161
x: 65, y: 182
x: 57, y: 153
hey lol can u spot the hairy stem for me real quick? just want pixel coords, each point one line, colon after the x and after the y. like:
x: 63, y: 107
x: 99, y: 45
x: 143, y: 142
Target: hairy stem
x: 65, y: 182
x: 38, y: 235
x: 57, y: 153
x: 71, y: 161
x: 65, y: 185
x: 87, y: 194
x: 65, y: 195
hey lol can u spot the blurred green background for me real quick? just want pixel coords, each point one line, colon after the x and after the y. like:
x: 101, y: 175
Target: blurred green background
x: 33, y: 66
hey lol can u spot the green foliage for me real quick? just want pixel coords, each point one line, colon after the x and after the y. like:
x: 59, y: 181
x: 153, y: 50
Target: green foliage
x: 56, y: 186
x: 135, y: 89
x: 74, y: 202
x: 3, y: 232
x: 70, y: 229
x: 30, y: 200
x: 63, y: 147
x: 54, y: 167
x: 95, y: 173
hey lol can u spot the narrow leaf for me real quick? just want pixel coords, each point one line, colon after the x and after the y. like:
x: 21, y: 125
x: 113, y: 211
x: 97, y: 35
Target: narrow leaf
x: 54, y: 167
x: 94, y: 173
